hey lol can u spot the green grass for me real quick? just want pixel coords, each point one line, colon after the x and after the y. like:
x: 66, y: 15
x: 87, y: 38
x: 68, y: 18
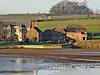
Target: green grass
x: 96, y: 37
x: 91, y: 25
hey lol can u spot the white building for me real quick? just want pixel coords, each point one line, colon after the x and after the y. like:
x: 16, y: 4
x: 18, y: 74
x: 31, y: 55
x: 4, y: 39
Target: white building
x: 18, y: 32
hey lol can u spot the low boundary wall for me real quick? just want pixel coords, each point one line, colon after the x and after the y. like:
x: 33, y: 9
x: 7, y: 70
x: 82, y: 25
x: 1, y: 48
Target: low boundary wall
x: 88, y: 44
x: 35, y: 46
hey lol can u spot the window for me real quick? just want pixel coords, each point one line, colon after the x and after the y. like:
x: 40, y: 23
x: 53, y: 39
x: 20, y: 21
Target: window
x: 35, y: 38
x: 82, y: 33
x: 83, y: 38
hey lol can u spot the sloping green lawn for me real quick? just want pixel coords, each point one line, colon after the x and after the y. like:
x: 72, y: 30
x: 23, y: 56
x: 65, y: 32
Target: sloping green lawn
x: 91, y: 25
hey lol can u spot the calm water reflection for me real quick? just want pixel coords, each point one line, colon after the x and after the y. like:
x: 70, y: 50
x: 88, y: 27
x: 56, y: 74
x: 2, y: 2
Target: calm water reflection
x: 31, y: 66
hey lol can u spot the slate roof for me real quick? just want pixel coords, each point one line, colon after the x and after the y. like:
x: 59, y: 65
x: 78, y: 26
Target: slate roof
x: 37, y: 29
x: 74, y: 28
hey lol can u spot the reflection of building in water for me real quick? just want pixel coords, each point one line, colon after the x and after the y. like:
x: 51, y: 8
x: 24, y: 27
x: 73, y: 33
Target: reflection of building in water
x: 35, y: 72
x: 18, y: 61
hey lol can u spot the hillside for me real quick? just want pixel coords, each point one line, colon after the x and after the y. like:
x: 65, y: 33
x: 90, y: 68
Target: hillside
x: 92, y: 25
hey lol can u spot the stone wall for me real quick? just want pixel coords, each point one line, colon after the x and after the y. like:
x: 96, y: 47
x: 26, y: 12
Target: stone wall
x: 88, y: 44
x: 78, y: 36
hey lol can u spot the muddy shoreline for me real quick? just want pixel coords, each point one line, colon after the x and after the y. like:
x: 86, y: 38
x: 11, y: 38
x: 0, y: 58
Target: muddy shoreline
x: 48, y: 54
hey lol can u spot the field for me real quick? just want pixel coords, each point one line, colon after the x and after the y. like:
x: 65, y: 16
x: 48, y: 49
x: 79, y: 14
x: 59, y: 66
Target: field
x: 92, y: 25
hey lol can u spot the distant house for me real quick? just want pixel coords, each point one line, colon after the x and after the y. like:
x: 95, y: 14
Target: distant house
x: 16, y: 32
x: 12, y: 32
x: 3, y: 32
x: 76, y: 32
x: 24, y: 31
x: 34, y: 34
x: 54, y: 35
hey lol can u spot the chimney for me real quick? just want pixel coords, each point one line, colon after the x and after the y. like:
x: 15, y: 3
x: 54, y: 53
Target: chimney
x: 34, y: 24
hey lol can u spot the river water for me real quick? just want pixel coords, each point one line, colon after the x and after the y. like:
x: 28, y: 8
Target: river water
x: 11, y: 65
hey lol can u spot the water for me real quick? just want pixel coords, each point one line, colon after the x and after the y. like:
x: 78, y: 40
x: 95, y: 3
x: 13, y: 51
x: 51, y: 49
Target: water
x: 32, y: 66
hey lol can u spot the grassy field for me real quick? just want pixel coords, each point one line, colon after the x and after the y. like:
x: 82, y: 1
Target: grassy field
x: 90, y: 24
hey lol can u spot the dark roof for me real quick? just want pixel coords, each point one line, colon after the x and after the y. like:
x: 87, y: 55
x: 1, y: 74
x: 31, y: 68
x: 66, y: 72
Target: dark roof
x: 37, y: 29
x: 55, y: 29
x: 74, y: 28
x: 59, y: 30
x: 52, y: 31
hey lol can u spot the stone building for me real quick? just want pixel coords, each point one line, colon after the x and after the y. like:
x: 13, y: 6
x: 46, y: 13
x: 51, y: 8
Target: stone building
x: 76, y: 32
x: 53, y: 35
x: 16, y: 32
x: 34, y: 33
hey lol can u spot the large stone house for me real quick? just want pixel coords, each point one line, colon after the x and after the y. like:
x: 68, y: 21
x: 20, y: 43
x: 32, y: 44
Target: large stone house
x: 76, y: 32
x: 34, y: 33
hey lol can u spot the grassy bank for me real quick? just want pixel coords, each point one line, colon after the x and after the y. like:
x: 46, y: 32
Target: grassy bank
x: 90, y: 24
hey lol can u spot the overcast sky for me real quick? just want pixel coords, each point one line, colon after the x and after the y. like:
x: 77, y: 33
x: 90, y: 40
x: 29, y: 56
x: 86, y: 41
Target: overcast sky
x: 23, y: 6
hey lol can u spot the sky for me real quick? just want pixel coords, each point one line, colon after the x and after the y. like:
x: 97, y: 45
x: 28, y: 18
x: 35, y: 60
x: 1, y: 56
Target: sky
x: 35, y: 6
